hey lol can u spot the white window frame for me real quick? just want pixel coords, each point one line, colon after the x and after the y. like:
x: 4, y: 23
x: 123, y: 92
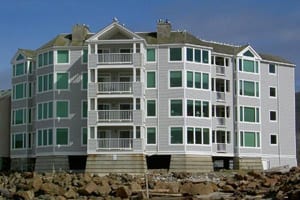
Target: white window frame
x: 276, y: 135
x: 37, y: 137
x: 255, y: 132
x: 182, y: 105
x: 55, y: 107
x: 273, y: 97
x: 182, y: 54
x: 155, y: 127
x: 87, y: 139
x: 169, y: 135
x: 61, y: 145
x: 182, y: 79
x: 55, y: 81
x: 155, y: 108
x: 202, y: 136
x: 69, y: 56
x: 255, y: 107
x: 155, y: 75
x: 276, y: 66
x: 155, y: 54
x: 275, y: 116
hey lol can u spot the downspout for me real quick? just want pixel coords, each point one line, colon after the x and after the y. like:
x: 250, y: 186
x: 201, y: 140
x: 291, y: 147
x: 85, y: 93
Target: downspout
x: 278, y: 111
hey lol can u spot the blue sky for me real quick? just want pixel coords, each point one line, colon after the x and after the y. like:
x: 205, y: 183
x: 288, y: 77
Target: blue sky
x: 268, y: 26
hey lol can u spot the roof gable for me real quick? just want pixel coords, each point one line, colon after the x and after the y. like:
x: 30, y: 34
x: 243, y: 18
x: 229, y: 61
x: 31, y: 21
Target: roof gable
x: 23, y: 54
x: 248, y: 51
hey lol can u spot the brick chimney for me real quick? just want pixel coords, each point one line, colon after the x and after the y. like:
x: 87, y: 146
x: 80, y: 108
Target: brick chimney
x: 163, y: 30
x: 79, y: 33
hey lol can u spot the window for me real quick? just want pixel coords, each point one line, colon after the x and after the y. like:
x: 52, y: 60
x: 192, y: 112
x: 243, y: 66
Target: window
x: 221, y: 137
x: 62, y: 109
x: 45, y: 59
x: 45, y: 137
x: 272, y: 92
x: 62, y: 135
x: 197, y: 108
x: 197, y: 80
x: 151, y: 135
x: 45, y: 110
x: 249, y: 139
x: 248, y: 53
x: 62, y: 81
x: 205, y: 56
x: 249, y: 114
x: 84, y: 136
x: 190, y: 79
x: 190, y: 108
x: 197, y: 55
x: 85, y: 56
x: 45, y: 82
x: 249, y: 88
x: 151, y: 81
x: 272, y: 69
x: 19, y: 91
x: 205, y: 81
x: 18, y: 141
x: 248, y: 66
x: 84, y: 80
x: 175, y: 79
x: 176, y: 135
x: 84, y: 109
x: 19, y: 116
x: 176, y: 107
x: 62, y: 56
x: 189, y: 54
x: 175, y: 54
x: 20, y: 57
x: 205, y: 108
x: 150, y: 55
x: 197, y: 135
x: 272, y: 115
x: 151, y: 108
x: 273, y: 139
x: 20, y: 69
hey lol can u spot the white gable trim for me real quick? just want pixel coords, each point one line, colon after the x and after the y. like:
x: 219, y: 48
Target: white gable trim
x: 16, y: 55
x: 249, y: 48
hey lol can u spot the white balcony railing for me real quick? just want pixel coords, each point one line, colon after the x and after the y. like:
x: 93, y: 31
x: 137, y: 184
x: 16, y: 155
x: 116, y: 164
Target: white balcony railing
x: 115, y: 58
x: 115, y: 115
x: 221, y: 147
x: 115, y: 87
x: 220, y: 96
x: 115, y: 144
x: 221, y: 121
x: 220, y: 70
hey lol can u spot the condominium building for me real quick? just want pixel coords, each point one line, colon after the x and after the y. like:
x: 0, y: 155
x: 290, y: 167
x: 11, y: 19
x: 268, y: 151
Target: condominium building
x: 124, y: 101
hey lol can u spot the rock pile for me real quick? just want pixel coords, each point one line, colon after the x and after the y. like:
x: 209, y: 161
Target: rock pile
x: 220, y: 185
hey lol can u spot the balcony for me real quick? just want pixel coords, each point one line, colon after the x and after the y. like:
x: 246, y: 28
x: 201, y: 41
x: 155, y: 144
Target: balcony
x: 115, y: 58
x: 115, y: 116
x: 220, y: 70
x: 221, y: 147
x: 115, y: 87
x: 115, y: 144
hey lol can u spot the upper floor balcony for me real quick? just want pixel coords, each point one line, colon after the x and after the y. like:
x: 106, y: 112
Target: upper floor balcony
x: 115, y: 58
x: 115, y: 87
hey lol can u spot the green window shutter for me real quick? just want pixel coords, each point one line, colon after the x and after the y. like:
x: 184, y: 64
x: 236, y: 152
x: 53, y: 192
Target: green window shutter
x: 175, y: 54
x: 205, y: 108
x: 197, y: 80
x: 249, y: 88
x: 84, y: 136
x: 175, y: 79
x: 205, y: 79
x: 50, y: 57
x: 189, y: 79
x: 84, y: 109
x: 85, y: 56
x: 20, y: 69
x: 50, y: 109
x: 62, y: 136
x: 151, y: 55
x: 40, y: 83
x: 206, y: 136
x: 62, y: 81
x: 84, y: 80
x: 40, y: 60
x: 189, y: 54
x: 50, y: 82
x: 190, y: 108
x: 176, y: 108
x: 151, y: 80
x: 40, y: 111
x: 151, y: 135
x: 249, y: 114
x: 151, y: 108
x: 62, y: 109
x: 198, y: 108
x: 204, y: 56
x: 176, y: 135
x: 190, y: 135
x: 197, y: 55
x: 249, y: 139
x: 62, y: 56
x: 248, y: 66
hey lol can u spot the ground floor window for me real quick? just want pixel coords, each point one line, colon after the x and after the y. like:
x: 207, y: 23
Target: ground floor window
x: 176, y: 135
x: 197, y: 135
x: 62, y: 135
x: 249, y: 139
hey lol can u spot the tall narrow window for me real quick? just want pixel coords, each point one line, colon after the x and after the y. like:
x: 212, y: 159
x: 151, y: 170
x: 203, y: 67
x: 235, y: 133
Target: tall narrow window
x: 151, y: 55
x: 84, y: 109
x: 62, y: 81
x: 151, y: 135
x: 190, y: 79
x: 175, y: 79
x: 175, y: 54
x: 176, y: 135
x: 151, y: 108
x: 62, y: 136
x: 197, y: 55
x: 190, y: 108
x: 205, y: 56
x: 205, y: 78
x: 151, y: 82
x: 189, y: 54
x: 62, y: 109
x: 84, y: 80
x: 197, y: 80
x: 84, y: 136
x: 176, y: 107
x: 272, y: 69
x: 85, y: 56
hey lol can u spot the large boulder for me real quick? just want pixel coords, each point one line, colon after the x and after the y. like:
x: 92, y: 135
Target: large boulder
x: 123, y: 192
x: 88, y: 189
x: 52, y: 189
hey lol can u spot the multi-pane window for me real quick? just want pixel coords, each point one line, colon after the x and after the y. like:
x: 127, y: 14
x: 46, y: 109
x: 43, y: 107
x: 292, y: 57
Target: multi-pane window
x: 151, y: 135
x: 248, y: 66
x: 249, y: 114
x: 197, y: 135
x: 176, y: 135
x: 151, y: 81
x: 45, y: 59
x: 20, y: 69
x: 151, y: 108
x: 197, y: 80
x: 45, y: 110
x: 62, y: 135
x: 45, y: 137
x: 84, y: 107
x: 176, y: 107
x: 62, y: 81
x: 19, y: 91
x: 220, y: 61
x: 62, y: 56
x: 175, y: 79
x: 272, y: 92
x: 19, y: 116
x: 84, y: 56
x: 45, y: 83
x: 175, y: 54
x: 249, y: 139
x: 84, y: 80
x: 197, y: 108
x: 272, y: 115
x: 221, y: 137
x: 197, y: 55
x: 151, y: 55
x: 273, y: 139
x: 18, y: 141
x: 272, y: 69
x: 189, y: 54
x: 62, y: 109
x: 84, y: 136
x: 249, y: 88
